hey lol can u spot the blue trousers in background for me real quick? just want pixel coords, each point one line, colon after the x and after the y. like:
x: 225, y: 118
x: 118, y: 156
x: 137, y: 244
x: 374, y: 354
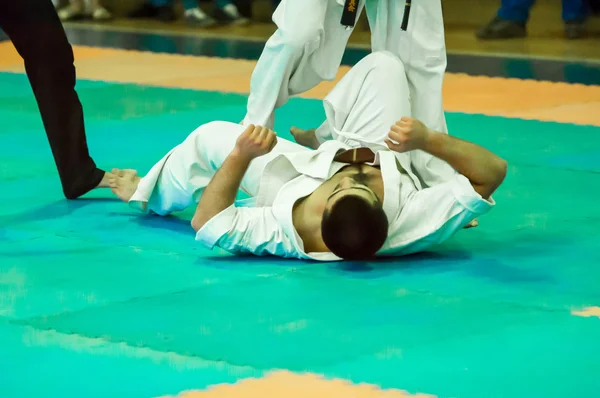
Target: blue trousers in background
x: 518, y: 10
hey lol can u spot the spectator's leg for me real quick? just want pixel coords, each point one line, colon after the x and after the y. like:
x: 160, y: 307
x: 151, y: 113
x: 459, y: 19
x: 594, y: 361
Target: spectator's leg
x: 194, y: 15
x: 98, y: 11
x: 72, y: 11
x: 510, y: 22
x: 515, y: 10
x: 145, y: 10
x: 228, y: 13
x: 163, y: 9
x: 244, y: 7
x: 574, y: 13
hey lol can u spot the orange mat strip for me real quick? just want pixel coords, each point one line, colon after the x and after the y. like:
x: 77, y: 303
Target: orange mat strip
x: 526, y: 99
x: 290, y: 385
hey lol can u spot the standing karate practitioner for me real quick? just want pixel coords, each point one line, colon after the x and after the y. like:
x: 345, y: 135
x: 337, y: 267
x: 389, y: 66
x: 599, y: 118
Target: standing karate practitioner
x: 308, y: 46
x: 38, y: 35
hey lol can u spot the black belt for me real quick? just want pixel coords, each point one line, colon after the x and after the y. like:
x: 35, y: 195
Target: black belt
x: 349, y: 13
x: 351, y: 10
x: 406, y: 15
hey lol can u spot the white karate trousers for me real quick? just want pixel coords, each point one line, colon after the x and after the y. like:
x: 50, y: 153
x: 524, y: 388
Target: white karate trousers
x: 308, y: 46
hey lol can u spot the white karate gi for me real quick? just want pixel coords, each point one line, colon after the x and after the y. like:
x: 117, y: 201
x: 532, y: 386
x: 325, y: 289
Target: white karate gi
x: 308, y: 46
x: 360, y: 111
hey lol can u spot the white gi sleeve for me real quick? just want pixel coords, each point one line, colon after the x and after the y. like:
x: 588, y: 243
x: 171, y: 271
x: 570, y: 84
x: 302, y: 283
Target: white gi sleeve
x: 434, y: 214
x: 247, y: 230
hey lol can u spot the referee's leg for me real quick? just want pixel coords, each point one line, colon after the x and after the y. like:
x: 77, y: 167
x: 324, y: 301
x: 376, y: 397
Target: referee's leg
x: 37, y: 34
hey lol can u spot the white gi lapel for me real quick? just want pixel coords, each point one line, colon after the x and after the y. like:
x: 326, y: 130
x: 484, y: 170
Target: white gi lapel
x: 391, y: 184
x: 316, y: 163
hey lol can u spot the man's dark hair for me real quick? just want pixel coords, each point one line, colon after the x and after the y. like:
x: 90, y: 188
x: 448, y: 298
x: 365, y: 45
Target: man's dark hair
x: 354, y: 228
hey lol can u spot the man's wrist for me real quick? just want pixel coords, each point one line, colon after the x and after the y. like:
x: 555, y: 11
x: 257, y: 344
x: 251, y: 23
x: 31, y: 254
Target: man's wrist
x: 240, y: 158
x: 432, y: 141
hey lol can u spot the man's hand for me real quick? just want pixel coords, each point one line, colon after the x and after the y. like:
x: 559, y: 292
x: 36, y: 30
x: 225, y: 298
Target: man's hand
x: 485, y: 170
x: 255, y: 141
x: 408, y: 134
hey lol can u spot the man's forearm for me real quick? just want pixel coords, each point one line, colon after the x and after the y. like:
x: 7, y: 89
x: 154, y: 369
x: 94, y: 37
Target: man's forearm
x: 222, y: 189
x: 485, y: 170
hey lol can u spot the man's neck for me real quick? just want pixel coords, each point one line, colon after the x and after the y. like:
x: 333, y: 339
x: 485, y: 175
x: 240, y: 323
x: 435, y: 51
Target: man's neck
x: 307, y: 223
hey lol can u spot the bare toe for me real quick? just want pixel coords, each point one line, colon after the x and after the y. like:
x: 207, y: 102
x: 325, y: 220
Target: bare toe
x: 472, y: 224
x: 124, y: 187
x: 129, y: 174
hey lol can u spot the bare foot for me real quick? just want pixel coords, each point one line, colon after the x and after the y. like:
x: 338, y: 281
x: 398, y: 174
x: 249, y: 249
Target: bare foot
x: 124, y: 183
x: 105, y: 181
x: 305, y: 137
x: 123, y: 173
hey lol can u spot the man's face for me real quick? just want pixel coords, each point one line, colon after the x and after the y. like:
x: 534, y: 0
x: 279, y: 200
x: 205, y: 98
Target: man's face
x: 352, y: 185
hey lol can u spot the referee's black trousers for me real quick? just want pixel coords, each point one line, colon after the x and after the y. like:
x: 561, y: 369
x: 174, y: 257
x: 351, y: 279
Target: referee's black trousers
x: 38, y: 35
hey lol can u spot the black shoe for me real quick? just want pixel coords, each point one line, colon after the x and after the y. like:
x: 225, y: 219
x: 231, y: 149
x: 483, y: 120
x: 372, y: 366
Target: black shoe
x: 230, y: 15
x: 196, y: 17
x: 502, y: 29
x: 574, y: 30
x: 244, y: 7
x: 144, y: 11
x: 166, y: 14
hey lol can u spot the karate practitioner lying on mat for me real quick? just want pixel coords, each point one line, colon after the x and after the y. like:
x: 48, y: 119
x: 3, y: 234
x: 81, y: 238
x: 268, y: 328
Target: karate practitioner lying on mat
x: 308, y: 46
x: 331, y: 203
